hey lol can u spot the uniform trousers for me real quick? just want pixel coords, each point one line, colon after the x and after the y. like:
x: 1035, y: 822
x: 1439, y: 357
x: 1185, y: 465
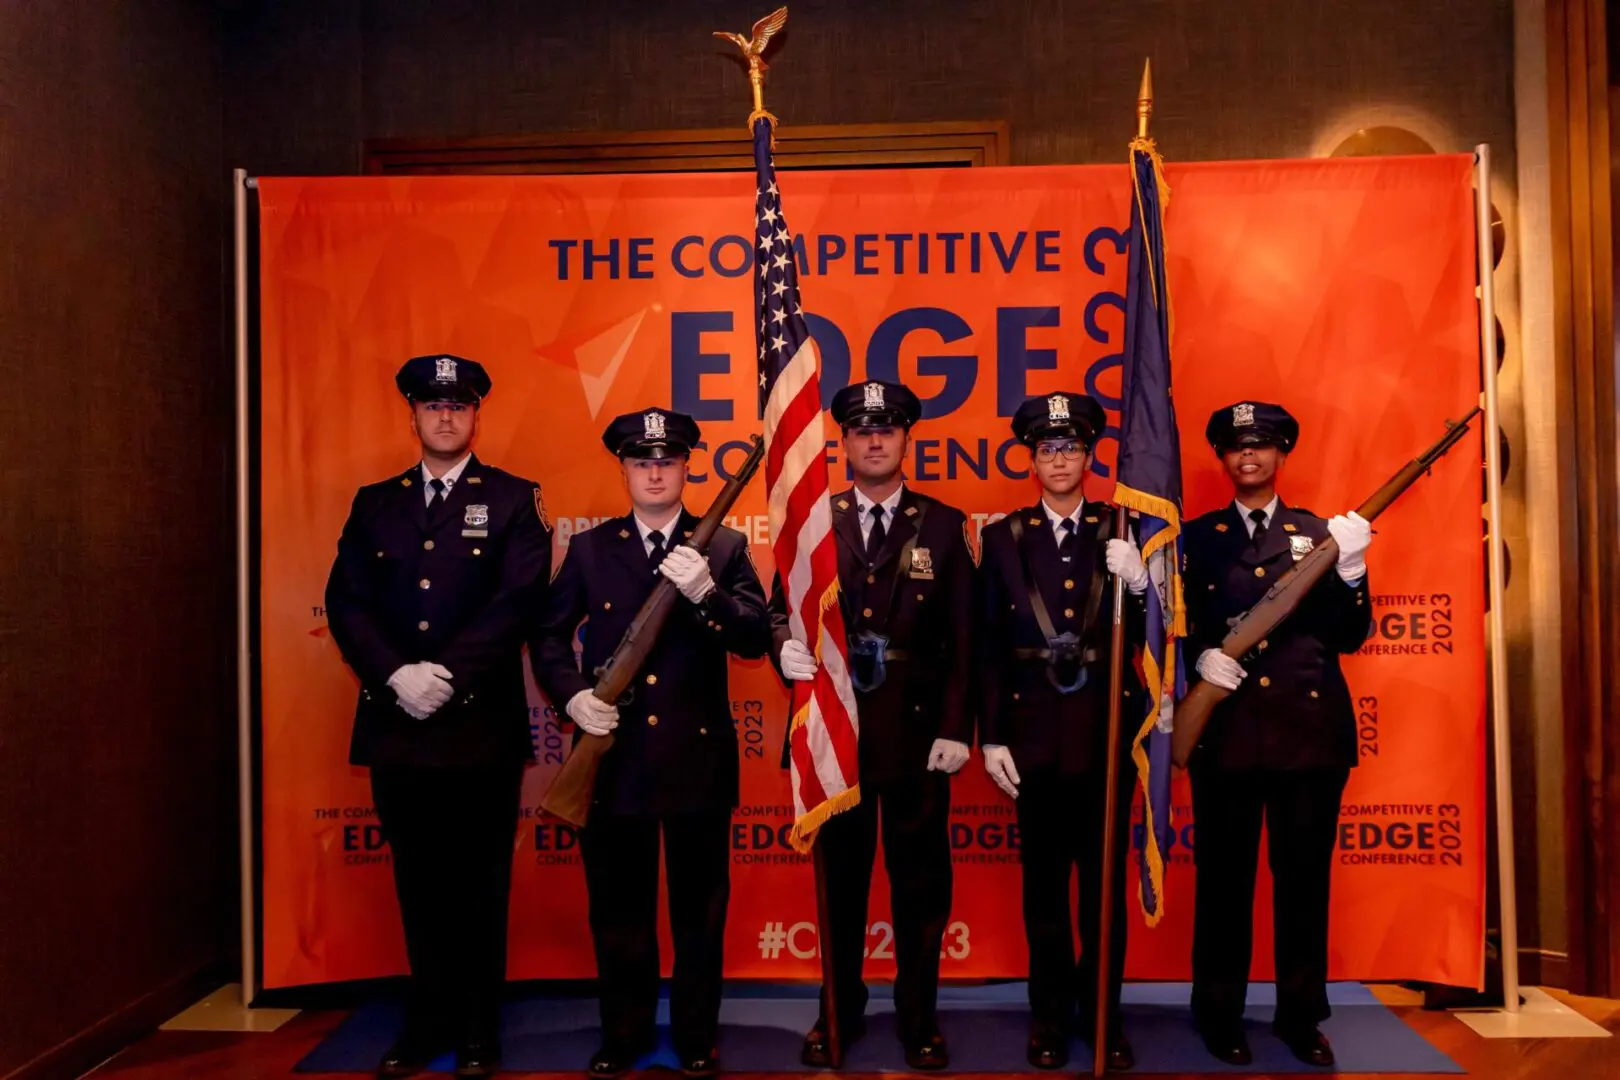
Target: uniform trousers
x: 914, y: 815
x: 621, y: 878
x: 1060, y: 830
x: 1300, y: 810
x: 450, y: 832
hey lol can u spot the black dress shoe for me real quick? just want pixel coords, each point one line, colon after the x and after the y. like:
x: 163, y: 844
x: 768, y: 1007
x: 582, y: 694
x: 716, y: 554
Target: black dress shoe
x: 1308, y: 1045
x: 613, y: 1060
x: 407, y: 1057
x: 817, y: 1050
x: 1227, y: 1044
x: 478, y: 1060
x: 1048, y: 1049
x: 1121, y: 1058
x: 702, y: 1064
x: 928, y: 1054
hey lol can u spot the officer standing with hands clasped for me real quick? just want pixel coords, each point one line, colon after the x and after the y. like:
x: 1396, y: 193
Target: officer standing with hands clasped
x: 1280, y: 749
x: 673, y: 766
x: 1045, y: 618
x: 436, y: 570
x: 906, y: 577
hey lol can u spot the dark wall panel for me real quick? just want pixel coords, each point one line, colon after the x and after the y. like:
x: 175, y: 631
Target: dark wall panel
x: 1244, y: 78
x: 116, y: 736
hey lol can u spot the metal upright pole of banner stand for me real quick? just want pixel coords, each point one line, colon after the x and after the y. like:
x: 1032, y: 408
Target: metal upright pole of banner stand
x: 1502, y: 759
x: 244, y: 639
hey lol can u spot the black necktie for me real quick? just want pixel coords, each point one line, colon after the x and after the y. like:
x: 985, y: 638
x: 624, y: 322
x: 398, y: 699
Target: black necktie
x: 1067, y: 545
x: 1259, y: 519
x: 436, y: 503
x: 875, y: 538
x: 656, y: 555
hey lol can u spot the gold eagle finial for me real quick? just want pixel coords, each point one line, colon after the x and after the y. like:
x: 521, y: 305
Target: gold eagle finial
x: 753, y: 50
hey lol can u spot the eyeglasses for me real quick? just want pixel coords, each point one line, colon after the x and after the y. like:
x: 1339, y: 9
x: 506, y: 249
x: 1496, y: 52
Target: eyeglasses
x: 1049, y: 451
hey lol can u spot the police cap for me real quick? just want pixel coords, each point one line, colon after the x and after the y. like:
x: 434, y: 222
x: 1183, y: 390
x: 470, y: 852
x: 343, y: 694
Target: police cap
x: 876, y: 404
x: 442, y: 377
x: 651, y: 433
x: 1252, y: 423
x: 1062, y: 415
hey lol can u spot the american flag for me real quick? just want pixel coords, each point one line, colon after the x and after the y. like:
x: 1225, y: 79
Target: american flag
x: 823, y: 727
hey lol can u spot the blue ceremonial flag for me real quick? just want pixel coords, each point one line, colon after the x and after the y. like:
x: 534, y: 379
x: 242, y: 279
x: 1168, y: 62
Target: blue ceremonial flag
x: 1149, y: 482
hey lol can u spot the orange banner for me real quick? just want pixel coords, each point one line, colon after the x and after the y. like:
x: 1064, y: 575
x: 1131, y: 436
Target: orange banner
x: 1343, y: 289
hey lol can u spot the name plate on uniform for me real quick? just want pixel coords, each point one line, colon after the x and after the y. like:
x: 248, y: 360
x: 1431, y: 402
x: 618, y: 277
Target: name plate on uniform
x: 922, y: 564
x: 475, y: 533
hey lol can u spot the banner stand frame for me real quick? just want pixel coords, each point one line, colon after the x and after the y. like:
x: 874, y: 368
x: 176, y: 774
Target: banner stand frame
x: 1496, y: 637
x: 245, y: 790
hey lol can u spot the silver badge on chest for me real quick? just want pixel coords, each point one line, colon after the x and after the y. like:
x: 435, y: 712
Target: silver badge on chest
x: 1300, y: 546
x: 477, y: 516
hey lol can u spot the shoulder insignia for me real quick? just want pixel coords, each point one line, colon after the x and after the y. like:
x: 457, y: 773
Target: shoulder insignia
x: 967, y: 541
x: 1034, y: 521
x: 911, y: 511
x: 1289, y: 526
x: 748, y: 553
x: 540, y: 508
x: 1220, y: 526
x: 842, y: 504
x: 624, y: 534
x: 405, y: 480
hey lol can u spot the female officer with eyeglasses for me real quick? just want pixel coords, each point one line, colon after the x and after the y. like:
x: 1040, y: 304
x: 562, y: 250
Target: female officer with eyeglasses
x: 1046, y: 607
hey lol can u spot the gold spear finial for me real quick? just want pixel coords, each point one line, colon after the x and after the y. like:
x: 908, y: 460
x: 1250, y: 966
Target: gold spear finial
x: 753, y: 50
x: 1144, y: 100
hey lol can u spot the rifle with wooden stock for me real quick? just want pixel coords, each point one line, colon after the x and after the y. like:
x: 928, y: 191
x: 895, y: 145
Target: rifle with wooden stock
x: 569, y: 796
x: 1249, y: 629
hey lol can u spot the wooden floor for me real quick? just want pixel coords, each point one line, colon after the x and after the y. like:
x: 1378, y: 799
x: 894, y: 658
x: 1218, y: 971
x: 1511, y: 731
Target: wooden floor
x: 217, y: 1056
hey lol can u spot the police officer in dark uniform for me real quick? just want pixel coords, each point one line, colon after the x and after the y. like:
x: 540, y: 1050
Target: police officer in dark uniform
x: 436, y: 571
x: 1280, y: 749
x: 1045, y: 623
x: 906, y: 577
x: 673, y: 765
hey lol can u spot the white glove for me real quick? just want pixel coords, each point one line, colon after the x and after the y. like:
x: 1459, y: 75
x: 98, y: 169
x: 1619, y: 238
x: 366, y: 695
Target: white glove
x: 1125, y: 561
x: 422, y: 688
x: 998, y: 763
x: 947, y: 756
x: 1218, y: 668
x: 689, y: 571
x: 1353, y: 535
x: 798, y: 662
x: 593, y: 715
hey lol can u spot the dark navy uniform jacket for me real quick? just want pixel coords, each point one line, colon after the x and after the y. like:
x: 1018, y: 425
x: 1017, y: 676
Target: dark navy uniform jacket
x: 675, y: 750
x: 926, y: 613
x: 456, y: 592
x: 1293, y: 711
x: 1019, y: 707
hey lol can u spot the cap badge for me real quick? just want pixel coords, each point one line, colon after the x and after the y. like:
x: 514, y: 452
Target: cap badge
x: 444, y: 370
x: 1057, y: 407
x: 874, y: 396
x: 1243, y: 415
x: 652, y: 425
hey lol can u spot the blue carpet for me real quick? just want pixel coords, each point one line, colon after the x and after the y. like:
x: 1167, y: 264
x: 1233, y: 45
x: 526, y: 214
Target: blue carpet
x: 761, y: 1027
